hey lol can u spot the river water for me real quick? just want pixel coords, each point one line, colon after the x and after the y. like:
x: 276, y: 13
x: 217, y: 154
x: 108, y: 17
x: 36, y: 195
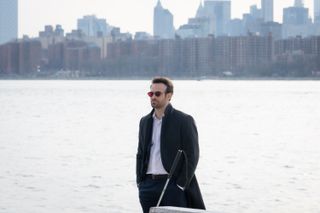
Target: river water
x: 69, y: 146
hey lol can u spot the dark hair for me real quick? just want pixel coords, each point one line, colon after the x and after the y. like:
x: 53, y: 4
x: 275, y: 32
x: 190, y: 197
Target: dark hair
x: 164, y: 80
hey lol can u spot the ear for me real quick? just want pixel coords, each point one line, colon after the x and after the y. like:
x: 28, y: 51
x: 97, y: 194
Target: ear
x: 169, y: 95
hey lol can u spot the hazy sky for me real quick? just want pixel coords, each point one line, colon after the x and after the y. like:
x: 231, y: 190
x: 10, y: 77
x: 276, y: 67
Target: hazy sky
x: 129, y: 15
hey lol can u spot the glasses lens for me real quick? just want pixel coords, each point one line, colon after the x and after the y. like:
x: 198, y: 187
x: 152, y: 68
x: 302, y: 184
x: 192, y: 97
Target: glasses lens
x: 157, y: 93
x: 150, y: 94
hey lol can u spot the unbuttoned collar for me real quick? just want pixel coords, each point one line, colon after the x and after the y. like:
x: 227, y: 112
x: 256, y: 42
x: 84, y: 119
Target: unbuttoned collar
x: 167, y: 111
x: 156, y: 118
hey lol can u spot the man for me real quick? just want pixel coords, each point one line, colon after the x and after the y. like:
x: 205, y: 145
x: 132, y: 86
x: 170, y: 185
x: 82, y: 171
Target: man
x: 162, y: 133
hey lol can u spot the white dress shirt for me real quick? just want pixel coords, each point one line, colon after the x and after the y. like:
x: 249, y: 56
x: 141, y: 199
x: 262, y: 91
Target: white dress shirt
x: 155, y: 164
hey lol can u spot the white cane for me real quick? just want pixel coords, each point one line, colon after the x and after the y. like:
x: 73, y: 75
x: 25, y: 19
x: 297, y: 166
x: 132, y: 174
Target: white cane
x: 173, y: 168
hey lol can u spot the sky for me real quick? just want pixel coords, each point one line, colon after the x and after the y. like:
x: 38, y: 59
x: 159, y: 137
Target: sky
x: 130, y: 15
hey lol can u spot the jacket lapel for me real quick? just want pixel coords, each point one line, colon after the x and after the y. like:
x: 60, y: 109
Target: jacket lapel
x: 148, y: 134
x: 167, y: 113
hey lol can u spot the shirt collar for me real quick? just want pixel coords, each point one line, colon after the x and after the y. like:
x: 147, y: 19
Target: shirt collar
x: 155, y: 117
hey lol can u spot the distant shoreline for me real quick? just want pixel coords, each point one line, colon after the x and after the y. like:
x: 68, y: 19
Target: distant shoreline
x: 2, y: 78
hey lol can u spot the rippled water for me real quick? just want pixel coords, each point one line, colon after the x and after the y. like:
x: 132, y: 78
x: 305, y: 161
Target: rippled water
x: 69, y: 146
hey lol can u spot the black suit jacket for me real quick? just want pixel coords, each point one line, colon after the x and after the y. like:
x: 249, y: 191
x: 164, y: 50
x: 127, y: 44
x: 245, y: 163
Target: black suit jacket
x: 178, y: 131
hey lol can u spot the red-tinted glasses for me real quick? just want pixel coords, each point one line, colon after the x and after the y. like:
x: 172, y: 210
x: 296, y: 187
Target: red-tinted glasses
x: 157, y: 94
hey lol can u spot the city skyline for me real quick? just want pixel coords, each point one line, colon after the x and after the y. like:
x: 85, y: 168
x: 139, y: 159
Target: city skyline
x: 35, y: 14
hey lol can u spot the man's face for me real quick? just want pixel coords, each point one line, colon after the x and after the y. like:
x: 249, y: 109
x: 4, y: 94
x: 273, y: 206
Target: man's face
x: 159, y: 98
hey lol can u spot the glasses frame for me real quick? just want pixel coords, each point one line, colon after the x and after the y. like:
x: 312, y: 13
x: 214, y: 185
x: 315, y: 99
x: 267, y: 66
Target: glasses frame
x: 156, y: 93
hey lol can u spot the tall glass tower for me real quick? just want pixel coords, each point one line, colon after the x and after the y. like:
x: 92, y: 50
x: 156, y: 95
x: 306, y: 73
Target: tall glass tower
x: 162, y: 22
x: 92, y: 26
x: 298, y: 3
x: 267, y: 10
x: 316, y: 11
x: 8, y: 20
x: 219, y: 13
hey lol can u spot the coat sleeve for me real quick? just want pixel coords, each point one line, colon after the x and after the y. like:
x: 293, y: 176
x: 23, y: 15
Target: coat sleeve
x: 190, y: 145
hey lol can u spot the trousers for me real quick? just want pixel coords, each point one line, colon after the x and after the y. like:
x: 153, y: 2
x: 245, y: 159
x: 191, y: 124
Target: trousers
x: 150, y: 191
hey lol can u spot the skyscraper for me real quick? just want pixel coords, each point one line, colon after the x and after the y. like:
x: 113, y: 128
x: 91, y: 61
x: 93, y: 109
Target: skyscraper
x: 255, y: 12
x: 298, y: 3
x: 296, y: 21
x: 8, y: 20
x: 200, y: 11
x: 296, y: 15
x: 92, y: 26
x: 267, y: 10
x: 162, y: 22
x: 316, y: 10
x: 219, y: 13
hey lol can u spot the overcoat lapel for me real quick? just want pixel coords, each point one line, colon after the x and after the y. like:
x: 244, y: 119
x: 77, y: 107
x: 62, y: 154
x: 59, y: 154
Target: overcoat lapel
x: 148, y: 134
x: 165, y: 119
